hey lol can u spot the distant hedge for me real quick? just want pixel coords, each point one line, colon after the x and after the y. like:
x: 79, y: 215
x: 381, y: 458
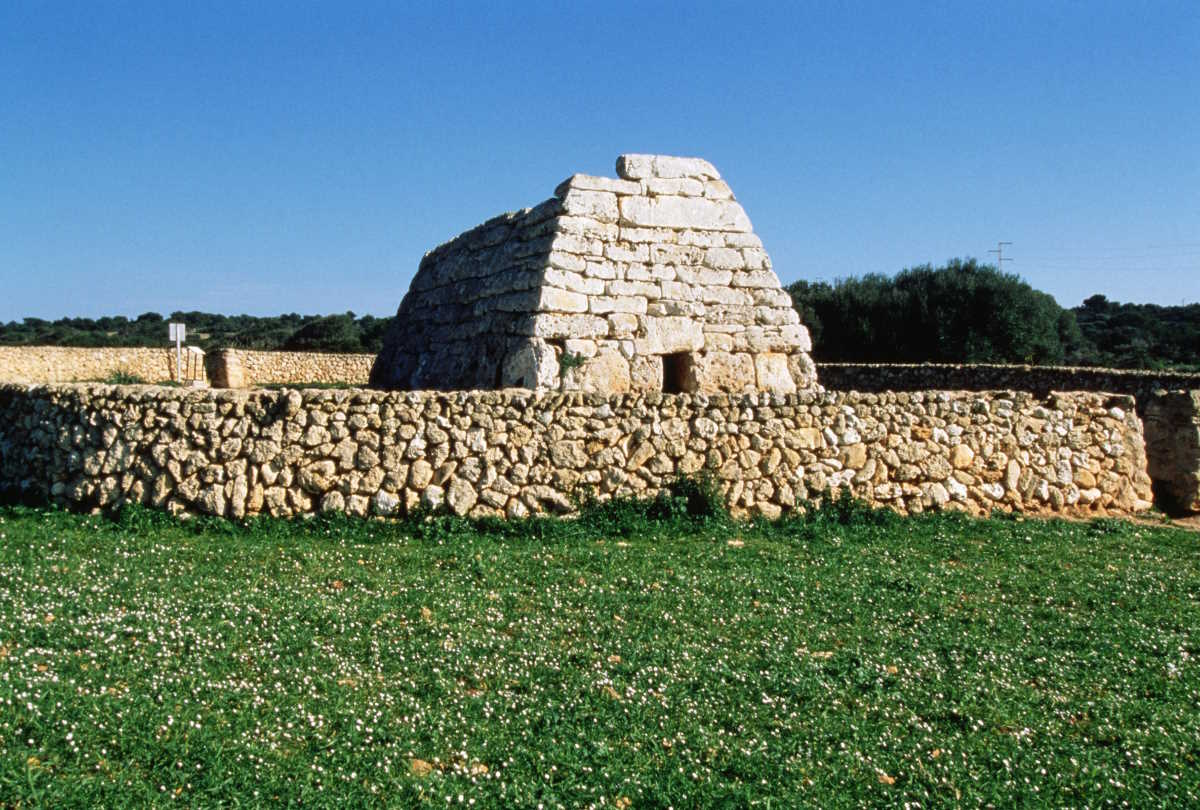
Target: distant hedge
x: 966, y: 312
x: 331, y: 333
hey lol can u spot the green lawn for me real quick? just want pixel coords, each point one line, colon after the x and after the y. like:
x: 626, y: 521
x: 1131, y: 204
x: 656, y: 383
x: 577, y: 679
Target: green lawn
x: 616, y: 661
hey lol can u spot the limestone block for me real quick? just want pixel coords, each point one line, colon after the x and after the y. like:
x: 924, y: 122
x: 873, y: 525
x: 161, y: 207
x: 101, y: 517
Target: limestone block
x: 697, y: 213
x: 587, y: 182
x: 679, y: 291
x: 578, y: 245
x: 552, y: 325
x: 607, y: 372
x: 725, y: 295
x: 723, y: 258
x: 771, y: 372
x: 660, y: 236
x: 566, y: 261
x: 553, y: 299
x: 586, y: 227
x: 756, y: 278
x: 533, y: 365
x: 717, y: 190
x: 646, y: 372
x: 721, y: 371
x: 460, y: 496
x: 601, y: 270
x: 676, y: 254
x: 622, y: 324
x: 680, y: 186
x: 580, y: 347
x: 608, y: 303
x: 627, y: 253
x: 640, y: 167
x: 575, y: 282
x: 669, y: 335
x: 703, y: 277
x: 645, y: 289
x: 597, y: 205
x: 702, y: 238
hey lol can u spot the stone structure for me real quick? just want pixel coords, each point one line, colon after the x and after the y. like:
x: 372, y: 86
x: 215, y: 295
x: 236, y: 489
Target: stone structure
x: 55, y: 364
x: 1169, y: 419
x: 653, y: 281
x: 242, y: 368
x: 993, y: 377
x: 513, y: 452
x: 1172, y: 425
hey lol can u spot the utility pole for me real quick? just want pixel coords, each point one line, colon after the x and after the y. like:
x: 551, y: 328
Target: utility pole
x: 999, y: 251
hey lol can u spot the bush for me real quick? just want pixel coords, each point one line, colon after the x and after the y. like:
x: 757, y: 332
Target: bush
x: 123, y: 378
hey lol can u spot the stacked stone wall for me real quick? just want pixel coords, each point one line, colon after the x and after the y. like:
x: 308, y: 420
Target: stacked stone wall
x: 242, y: 368
x: 989, y: 377
x: 1169, y: 419
x: 514, y: 452
x: 1172, y: 428
x: 56, y: 364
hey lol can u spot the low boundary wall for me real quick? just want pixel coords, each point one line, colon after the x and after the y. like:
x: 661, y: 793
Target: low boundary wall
x: 242, y: 368
x: 1168, y: 402
x: 983, y: 377
x: 515, y: 451
x: 55, y: 364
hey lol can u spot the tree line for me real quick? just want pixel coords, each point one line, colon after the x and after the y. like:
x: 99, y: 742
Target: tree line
x: 962, y: 312
x: 346, y: 332
x: 967, y: 312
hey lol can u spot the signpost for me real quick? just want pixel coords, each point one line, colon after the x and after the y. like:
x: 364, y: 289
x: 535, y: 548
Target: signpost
x: 178, y: 333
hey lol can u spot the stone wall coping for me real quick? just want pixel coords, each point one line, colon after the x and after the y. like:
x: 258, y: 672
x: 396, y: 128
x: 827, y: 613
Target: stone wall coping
x: 1190, y: 379
x: 525, y: 396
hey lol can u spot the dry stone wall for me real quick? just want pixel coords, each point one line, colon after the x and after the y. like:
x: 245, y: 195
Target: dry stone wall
x: 989, y: 377
x: 1169, y: 420
x: 54, y: 364
x: 653, y: 280
x: 242, y: 368
x: 514, y: 452
x: 1172, y: 428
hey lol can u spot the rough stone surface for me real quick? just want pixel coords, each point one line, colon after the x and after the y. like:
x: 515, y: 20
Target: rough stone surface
x: 1173, y: 447
x: 516, y: 452
x: 244, y: 368
x: 1173, y: 461
x: 58, y: 364
x: 659, y: 262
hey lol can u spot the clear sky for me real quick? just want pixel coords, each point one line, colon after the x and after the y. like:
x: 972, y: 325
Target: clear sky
x: 268, y: 157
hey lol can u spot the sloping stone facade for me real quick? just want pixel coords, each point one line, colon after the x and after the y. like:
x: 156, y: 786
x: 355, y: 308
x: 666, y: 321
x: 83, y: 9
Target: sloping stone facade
x: 653, y: 281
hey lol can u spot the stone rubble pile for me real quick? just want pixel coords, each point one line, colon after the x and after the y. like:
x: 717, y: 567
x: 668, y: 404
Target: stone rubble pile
x: 652, y: 281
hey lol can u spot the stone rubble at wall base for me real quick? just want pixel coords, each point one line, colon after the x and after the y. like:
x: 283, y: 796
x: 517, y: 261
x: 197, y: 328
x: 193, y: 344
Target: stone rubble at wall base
x: 516, y: 452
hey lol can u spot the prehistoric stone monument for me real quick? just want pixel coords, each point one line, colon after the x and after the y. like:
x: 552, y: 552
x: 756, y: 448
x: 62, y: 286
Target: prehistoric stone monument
x: 651, y: 282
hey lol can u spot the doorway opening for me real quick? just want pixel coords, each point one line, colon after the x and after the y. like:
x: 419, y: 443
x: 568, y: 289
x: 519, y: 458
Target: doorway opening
x: 676, y: 373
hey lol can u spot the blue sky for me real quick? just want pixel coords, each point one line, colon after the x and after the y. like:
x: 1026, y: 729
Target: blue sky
x: 300, y: 157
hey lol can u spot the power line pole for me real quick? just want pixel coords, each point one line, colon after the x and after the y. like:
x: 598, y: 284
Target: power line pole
x: 999, y: 251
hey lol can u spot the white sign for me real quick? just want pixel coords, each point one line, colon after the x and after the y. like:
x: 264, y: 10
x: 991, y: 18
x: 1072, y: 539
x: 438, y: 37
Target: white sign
x: 176, y: 332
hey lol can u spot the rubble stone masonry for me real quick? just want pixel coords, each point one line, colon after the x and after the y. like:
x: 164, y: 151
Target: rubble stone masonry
x: 515, y: 452
x: 53, y: 364
x: 243, y: 368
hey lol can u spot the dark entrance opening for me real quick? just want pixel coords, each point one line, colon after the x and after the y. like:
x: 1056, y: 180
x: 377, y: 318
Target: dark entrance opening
x: 676, y: 370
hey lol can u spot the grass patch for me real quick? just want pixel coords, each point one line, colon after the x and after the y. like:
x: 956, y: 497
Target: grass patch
x: 122, y: 377
x: 645, y: 655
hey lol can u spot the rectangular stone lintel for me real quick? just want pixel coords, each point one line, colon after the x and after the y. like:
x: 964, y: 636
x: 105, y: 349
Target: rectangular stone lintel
x: 696, y: 213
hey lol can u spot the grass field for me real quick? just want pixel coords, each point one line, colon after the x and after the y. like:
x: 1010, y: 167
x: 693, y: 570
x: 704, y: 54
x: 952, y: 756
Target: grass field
x: 633, y: 658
